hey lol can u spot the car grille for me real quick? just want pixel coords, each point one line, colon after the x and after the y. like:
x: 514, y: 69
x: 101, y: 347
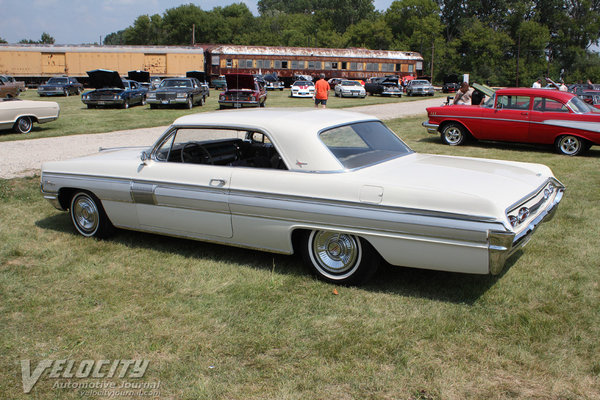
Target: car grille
x: 102, y: 97
x: 166, y: 96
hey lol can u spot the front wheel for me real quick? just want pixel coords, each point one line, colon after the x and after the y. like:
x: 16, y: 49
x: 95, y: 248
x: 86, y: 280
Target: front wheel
x: 88, y: 216
x: 23, y: 125
x: 338, y: 257
x: 190, y: 103
x: 453, y: 134
x: 570, y: 145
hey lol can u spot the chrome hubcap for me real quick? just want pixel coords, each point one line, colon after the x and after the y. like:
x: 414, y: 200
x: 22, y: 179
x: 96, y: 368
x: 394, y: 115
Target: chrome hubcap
x: 85, y: 214
x: 569, y: 145
x: 453, y: 135
x: 336, y: 255
x: 24, y: 124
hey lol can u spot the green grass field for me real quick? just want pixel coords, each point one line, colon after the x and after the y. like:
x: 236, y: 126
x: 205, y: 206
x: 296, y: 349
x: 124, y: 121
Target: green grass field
x: 224, y: 323
x: 75, y: 118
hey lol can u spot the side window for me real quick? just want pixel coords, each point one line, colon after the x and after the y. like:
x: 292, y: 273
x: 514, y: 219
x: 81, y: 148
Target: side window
x: 219, y: 147
x: 513, y: 102
x: 548, y: 105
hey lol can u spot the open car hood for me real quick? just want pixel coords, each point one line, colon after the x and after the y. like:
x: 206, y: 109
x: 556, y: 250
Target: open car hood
x: 200, y: 75
x: 271, y: 77
x: 104, y: 78
x: 488, y: 91
x: 239, y: 81
x: 139, y: 76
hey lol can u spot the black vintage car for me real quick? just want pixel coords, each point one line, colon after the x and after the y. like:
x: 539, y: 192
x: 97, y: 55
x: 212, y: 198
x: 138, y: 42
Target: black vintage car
x: 384, y: 86
x: 113, y: 91
x: 177, y: 91
x: 201, y: 76
x: 60, y: 86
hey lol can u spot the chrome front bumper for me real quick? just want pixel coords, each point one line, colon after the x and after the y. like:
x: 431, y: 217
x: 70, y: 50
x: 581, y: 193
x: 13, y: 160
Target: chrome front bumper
x: 431, y: 128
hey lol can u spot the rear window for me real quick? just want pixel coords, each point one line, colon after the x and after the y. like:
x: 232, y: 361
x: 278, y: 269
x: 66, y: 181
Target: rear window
x: 548, y: 105
x: 364, y: 143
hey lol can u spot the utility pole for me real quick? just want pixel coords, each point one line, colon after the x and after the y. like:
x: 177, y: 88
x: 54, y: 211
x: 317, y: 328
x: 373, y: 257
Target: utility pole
x: 193, y: 34
x: 432, y: 50
x: 518, y: 56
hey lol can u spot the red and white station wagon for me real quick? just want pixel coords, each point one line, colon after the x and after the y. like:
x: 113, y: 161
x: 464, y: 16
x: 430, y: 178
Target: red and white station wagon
x: 522, y: 115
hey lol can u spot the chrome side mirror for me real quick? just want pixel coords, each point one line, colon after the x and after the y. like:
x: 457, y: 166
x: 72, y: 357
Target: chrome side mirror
x: 144, y: 157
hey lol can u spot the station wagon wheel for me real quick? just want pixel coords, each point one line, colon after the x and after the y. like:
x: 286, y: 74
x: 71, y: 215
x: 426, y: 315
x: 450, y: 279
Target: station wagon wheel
x: 23, y: 125
x: 453, y: 134
x: 570, y: 145
x: 339, y: 257
x: 88, y: 216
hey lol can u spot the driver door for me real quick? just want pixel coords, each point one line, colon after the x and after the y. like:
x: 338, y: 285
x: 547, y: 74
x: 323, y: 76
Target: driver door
x: 180, y: 192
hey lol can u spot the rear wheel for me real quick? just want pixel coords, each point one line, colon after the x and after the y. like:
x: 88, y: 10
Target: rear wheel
x: 339, y: 257
x: 88, y: 216
x: 453, y: 134
x: 189, y: 103
x: 143, y: 102
x: 23, y: 125
x: 570, y: 145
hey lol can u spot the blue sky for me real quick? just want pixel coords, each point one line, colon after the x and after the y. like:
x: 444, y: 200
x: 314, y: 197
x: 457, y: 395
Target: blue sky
x: 85, y: 21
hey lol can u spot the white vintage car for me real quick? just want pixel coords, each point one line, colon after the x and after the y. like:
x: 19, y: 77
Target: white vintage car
x: 19, y: 115
x: 338, y: 187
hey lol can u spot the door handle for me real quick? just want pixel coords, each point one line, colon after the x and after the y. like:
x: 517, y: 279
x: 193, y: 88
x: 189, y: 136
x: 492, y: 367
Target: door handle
x: 217, y: 182
x: 524, y: 113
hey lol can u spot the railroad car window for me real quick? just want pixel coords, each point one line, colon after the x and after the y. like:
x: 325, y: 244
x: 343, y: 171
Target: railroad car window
x: 398, y: 67
x: 411, y: 68
x: 334, y: 65
x: 284, y: 65
x: 344, y: 65
x: 229, y: 63
x: 317, y: 64
x: 327, y: 65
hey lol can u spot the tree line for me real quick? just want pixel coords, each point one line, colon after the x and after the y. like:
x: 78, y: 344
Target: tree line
x: 499, y: 42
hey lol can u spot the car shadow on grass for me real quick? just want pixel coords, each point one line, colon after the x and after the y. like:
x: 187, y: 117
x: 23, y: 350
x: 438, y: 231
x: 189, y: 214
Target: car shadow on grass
x: 413, y: 282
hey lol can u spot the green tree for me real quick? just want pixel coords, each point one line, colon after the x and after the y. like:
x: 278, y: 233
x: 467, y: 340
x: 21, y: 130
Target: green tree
x: 370, y: 34
x: 146, y: 30
x: 44, y: 39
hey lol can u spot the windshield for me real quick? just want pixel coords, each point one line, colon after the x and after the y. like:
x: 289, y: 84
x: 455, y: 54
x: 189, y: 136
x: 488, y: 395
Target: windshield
x: 579, y: 106
x: 57, y: 81
x: 303, y: 83
x: 364, y: 143
x: 420, y: 83
x: 350, y: 83
x: 182, y: 83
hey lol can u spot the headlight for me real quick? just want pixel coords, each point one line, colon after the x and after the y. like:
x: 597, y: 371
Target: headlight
x: 151, y: 95
x: 182, y: 95
x: 222, y: 97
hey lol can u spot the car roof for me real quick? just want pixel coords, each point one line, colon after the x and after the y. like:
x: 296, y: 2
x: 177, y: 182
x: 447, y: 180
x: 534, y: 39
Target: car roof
x: 550, y: 93
x: 295, y: 132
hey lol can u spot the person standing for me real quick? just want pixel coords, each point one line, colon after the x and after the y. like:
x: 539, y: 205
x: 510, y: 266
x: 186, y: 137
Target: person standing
x: 537, y: 84
x: 463, y: 95
x: 321, y: 92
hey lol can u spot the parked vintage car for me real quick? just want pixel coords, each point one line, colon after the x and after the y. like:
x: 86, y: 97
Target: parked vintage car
x: 242, y: 91
x: 302, y: 89
x: 60, y: 86
x: 384, y: 86
x: 19, y: 115
x: 9, y: 87
x: 521, y: 115
x: 338, y: 187
x: 272, y: 82
x: 111, y: 90
x: 419, y: 87
x: 201, y: 77
x: 592, y: 97
x: 141, y: 77
x: 219, y: 83
x: 349, y: 88
x: 177, y: 91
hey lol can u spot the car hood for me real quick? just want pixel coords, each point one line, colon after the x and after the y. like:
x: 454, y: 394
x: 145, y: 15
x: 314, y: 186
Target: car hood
x: 103, y: 78
x: 239, y: 81
x: 139, y: 76
x: 200, y: 75
x: 458, y: 185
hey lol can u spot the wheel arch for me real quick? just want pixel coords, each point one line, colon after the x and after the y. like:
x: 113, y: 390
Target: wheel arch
x: 446, y: 122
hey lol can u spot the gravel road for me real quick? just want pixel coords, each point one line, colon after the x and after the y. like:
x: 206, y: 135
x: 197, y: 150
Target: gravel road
x: 25, y: 157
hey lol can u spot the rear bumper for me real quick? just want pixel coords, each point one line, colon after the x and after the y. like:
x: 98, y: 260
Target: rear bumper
x: 501, y: 245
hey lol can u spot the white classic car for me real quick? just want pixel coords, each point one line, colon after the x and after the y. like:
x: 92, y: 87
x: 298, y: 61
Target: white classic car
x: 19, y: 115
x: 350, y: 89
x: 338, y: 187
x: 302, y: 89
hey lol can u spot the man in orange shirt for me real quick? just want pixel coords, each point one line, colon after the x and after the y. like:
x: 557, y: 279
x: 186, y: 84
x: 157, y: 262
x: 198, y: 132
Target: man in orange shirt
x: 321, y: 92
